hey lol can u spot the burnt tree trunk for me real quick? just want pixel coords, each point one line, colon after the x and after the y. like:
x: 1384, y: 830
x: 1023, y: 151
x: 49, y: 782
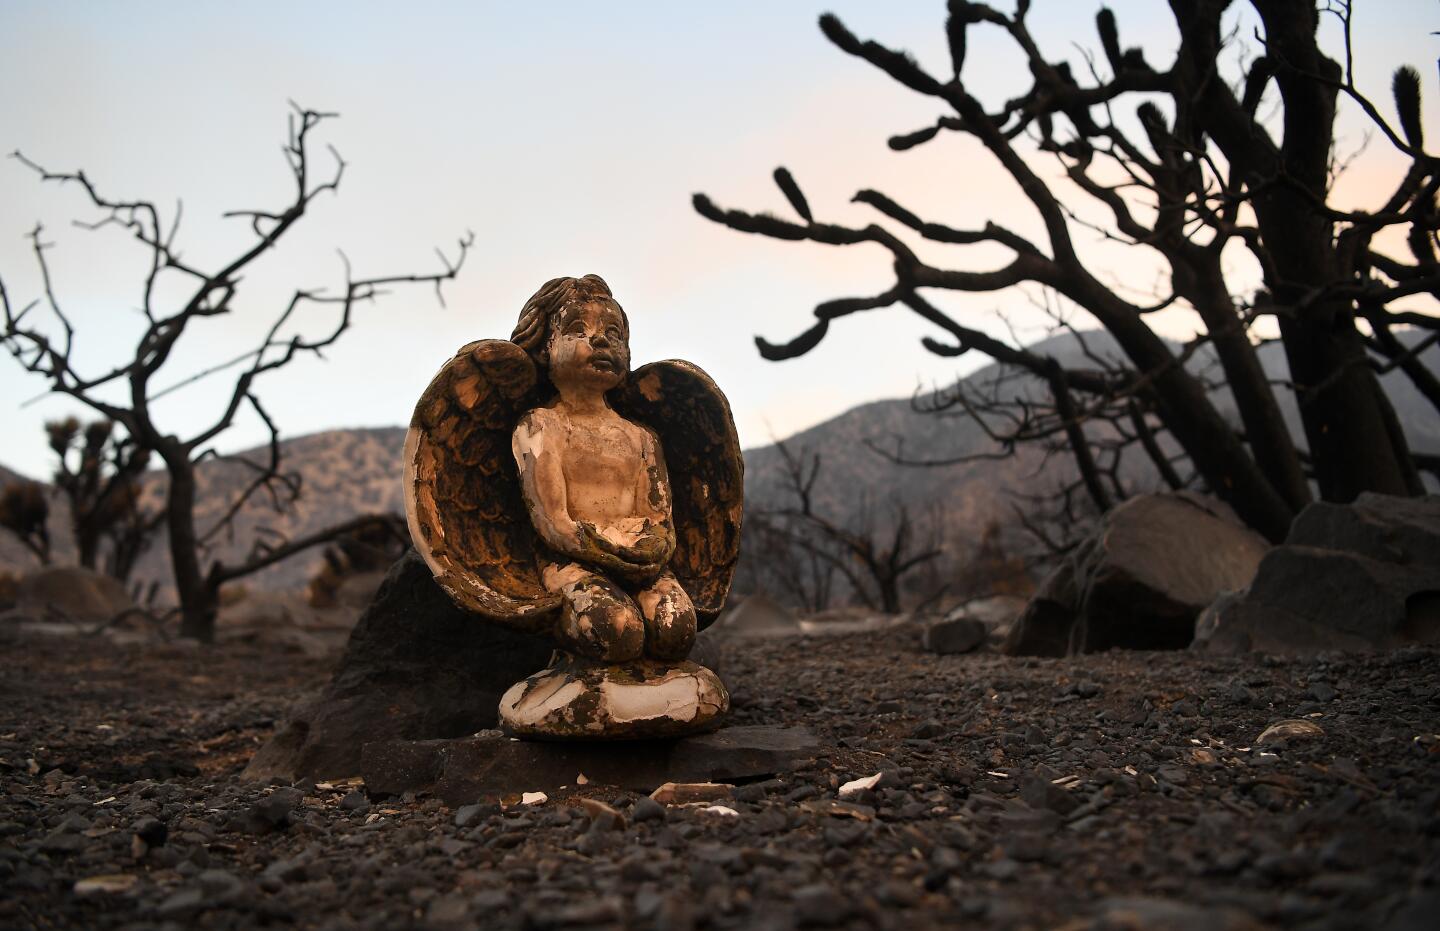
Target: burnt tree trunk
x: 1349, y: 423
x: 1354, y: 438
x: 1265, y: 430
x: 889, y: 589
x: 199, y: 601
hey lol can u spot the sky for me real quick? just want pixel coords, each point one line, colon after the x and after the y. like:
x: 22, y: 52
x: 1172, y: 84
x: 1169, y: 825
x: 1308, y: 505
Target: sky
x: 569, y: 137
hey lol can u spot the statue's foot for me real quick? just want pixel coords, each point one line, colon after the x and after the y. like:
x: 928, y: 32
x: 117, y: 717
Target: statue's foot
x: 578, y: 699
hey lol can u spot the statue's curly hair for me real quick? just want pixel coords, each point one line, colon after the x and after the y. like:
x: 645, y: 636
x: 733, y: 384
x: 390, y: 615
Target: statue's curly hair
x: 532, y: 332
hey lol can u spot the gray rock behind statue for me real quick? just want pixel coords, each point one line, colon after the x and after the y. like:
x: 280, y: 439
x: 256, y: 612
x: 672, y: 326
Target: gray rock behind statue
x: 415, y: 668
x: 1141, y: 580
x: 1348, y: 576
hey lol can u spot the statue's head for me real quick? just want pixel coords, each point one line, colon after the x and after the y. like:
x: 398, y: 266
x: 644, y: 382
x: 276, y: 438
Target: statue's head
x: 575, y: 330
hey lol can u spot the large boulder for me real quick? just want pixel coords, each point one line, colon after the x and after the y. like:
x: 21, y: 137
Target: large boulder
x: 1141, y: 579
x: 415, y: 668
x: 1348, y: 576
x: 70, y: 593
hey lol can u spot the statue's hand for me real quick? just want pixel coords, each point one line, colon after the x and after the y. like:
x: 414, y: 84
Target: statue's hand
x: 645, y: 557
x: 653, y: 548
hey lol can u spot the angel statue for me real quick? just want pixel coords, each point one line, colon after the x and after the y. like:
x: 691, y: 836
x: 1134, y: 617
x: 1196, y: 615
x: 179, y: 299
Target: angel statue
x: 550, y: 488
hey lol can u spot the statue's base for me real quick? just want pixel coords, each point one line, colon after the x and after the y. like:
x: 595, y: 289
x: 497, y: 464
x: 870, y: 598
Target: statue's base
x: 466, y: 769
x: 576, y: 699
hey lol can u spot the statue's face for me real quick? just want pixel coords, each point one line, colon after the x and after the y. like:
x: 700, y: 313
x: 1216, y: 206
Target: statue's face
x: 588, y: 346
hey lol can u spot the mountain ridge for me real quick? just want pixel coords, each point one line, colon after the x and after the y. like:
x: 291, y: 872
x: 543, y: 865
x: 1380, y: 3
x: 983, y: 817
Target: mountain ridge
x: 349, y: 471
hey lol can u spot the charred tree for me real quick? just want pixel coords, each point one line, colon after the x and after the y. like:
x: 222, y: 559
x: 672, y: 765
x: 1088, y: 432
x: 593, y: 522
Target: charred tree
x: 99, y: 473
x: 25, y: 512
x: 1208, y: 173
x: 49, y: 351
x: 873, y: 559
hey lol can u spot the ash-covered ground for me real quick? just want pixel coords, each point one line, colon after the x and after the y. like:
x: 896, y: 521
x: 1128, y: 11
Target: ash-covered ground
x: 1122, y: 790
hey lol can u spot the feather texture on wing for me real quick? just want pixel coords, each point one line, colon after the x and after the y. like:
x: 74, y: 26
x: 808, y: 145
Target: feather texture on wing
x: 462, y: 489
x: 690, y: 415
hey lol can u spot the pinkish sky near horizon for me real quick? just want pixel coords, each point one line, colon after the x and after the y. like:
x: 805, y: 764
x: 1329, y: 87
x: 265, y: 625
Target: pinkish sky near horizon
x: 569, y: 137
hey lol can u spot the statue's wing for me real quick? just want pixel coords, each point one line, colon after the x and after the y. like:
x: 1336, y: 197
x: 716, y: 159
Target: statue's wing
x: 462, y: 489
x: 707, y: 475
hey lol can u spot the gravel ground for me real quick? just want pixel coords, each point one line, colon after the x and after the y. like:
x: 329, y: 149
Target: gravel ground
x: 1123, y: 790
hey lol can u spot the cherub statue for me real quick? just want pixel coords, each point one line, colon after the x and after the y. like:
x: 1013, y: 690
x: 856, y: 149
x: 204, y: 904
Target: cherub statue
x: 551, y: 489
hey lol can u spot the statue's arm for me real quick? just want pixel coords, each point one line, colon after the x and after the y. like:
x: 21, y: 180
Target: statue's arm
x: 542, y: 482
x: 657, y: 543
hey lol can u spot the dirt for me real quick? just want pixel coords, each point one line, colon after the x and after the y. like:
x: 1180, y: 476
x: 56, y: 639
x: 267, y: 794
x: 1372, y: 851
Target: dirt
x: 1120, y: 790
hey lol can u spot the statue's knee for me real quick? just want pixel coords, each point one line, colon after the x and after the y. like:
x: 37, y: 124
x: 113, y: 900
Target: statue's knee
x: 669, y: 620
x: 601, y: 622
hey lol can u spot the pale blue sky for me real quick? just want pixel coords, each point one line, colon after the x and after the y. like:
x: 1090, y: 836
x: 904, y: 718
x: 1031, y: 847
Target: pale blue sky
x: 569, y: 137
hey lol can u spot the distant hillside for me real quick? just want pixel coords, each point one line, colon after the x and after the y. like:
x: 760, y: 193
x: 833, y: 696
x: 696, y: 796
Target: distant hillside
x: 971, y: 493
x: 343, y: 473
x: 347, y: 472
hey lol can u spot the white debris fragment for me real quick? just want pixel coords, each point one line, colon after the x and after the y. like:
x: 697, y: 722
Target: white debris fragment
x: 533, y: 798
x: 860, y: 785
x: 107, y: 883
x: 1290, y: 730
x: 721, y: 810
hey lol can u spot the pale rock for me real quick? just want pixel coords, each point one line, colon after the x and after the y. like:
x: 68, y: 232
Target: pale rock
x: 1289, y: 731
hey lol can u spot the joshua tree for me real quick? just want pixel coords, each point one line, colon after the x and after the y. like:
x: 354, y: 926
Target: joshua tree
x: 1210, y: 173
x: 25, y: 513
x: 99, y: 474
x: 49, y: 352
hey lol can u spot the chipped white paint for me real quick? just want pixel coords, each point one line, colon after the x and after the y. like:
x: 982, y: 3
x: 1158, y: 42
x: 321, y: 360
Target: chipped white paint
x: 677, y: 697
x: 532, y: 710
x: 643, y: 699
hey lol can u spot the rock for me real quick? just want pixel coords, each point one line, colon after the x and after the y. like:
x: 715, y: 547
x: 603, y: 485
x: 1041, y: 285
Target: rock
x: 954, y: 635
x: 758, y: 616
x: 647, y: 809
x: 271, y: 813
x: 462, y: 770
x: 854, y: 787
x: 851, y: 620
x: 820, y: 905
x: 182, y: 903
x: 70, y: 593
x: 1140, y: 580
x: 468, y: 815
x: 355, y: 800
x: 221, y: 886
x: 602, y: 816
x: 415, y: 668
x: 109, y: 883
x: 1360, y: 576
x: 1289, y: 731
x: 1042, y: 793
x: 151, y: 831
x: 1147, y: 914
x: 575, y: 699
x: 996, y: 613
x: 682, y: 793
x: 1417, y: 913
x: 707, y: 651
